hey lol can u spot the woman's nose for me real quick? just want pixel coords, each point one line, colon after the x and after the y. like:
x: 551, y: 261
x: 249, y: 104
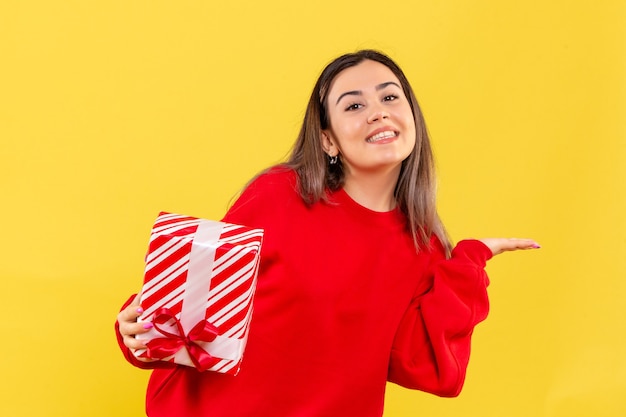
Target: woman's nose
x: 377, y: 116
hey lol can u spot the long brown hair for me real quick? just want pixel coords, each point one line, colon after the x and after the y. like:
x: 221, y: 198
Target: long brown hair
x: 415, y: 190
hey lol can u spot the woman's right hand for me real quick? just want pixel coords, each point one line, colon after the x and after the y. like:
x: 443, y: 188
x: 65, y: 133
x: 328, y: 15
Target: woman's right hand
x: 128, y: 326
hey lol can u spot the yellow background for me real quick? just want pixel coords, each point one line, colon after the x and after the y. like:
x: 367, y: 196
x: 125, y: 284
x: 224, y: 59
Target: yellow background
x: 111, y: 111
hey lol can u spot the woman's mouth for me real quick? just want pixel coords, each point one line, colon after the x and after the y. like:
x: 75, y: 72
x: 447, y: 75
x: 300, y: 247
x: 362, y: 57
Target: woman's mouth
x: 381, y: 136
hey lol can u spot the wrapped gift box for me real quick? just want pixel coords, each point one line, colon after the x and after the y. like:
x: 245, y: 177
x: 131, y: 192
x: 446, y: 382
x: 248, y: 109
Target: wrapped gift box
x: 199, y: 284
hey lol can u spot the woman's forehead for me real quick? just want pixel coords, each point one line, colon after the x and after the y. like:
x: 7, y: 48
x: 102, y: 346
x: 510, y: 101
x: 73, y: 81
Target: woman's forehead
x: 365, y: 75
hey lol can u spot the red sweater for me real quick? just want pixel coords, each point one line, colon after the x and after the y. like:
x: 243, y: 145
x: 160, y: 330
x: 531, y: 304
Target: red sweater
x: 343, y: 305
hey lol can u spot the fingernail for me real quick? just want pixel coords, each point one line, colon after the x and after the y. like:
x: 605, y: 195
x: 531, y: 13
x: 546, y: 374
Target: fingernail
x: 147, y: 326
x: 535, y: 246
x: 139, y: 310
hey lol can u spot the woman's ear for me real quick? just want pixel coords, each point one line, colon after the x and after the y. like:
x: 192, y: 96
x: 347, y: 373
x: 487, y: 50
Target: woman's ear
x: 328, y: 144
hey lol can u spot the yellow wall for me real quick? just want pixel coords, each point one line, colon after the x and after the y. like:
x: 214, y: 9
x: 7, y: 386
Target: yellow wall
x: 111, y: 111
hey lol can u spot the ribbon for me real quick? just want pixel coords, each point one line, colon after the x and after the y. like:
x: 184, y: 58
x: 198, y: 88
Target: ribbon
x: 162, y: 347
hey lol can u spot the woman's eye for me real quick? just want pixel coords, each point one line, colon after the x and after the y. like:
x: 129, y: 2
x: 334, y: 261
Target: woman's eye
x: 390, y: 97
x: 354, y: 106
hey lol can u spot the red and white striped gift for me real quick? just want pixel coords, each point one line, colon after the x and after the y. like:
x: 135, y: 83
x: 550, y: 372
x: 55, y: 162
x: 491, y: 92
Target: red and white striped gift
x: 199, y: 283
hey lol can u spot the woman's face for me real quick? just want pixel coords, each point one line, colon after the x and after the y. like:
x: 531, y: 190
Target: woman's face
x: 371, y: 123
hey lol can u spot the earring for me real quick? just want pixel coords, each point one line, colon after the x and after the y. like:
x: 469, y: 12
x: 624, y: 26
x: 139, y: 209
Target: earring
x: 333, y: 159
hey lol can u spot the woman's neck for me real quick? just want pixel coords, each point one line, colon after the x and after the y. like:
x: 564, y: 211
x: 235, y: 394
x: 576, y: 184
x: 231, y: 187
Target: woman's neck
x: 374, y: 191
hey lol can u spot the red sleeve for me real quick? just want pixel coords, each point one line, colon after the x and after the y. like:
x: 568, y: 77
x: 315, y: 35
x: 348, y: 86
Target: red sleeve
x: 432, y: 345
x: 128, y: 354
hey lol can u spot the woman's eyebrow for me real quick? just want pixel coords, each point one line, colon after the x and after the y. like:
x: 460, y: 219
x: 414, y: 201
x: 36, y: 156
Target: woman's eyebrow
x: 388, y: 83
x: 359, y: 92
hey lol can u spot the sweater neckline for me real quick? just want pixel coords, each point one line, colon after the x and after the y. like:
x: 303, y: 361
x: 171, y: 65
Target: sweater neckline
x: 392, y: 217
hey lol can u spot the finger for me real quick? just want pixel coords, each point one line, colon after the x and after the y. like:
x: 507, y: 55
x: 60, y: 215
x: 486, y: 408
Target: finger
x: 127, y: 320
x: 499, y: 245
x: 514, y: 244
x: 134, y: 328
x: 131, y: 312
x: 129, y: 331
x: 131, y: 342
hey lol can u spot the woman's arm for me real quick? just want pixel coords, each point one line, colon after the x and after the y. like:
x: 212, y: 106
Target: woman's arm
x: 432, y: 344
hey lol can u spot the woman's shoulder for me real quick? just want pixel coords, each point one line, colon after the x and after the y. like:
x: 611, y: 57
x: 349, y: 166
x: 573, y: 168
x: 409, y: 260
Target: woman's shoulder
x: 265, y: 195
x: 276, y: 179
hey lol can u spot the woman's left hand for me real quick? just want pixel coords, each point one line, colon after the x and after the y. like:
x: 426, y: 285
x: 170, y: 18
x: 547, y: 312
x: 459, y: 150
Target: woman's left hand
x: 499, y: 245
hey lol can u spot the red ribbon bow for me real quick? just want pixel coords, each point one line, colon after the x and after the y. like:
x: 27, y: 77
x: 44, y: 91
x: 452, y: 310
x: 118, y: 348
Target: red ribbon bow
x: 162, y: 347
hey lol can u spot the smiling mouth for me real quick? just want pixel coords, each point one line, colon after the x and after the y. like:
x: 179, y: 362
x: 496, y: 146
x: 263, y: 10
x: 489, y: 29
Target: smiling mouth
x: 382, y: 136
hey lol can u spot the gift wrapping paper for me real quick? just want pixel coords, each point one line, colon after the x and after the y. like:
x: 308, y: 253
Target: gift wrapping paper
x: 198, y: 290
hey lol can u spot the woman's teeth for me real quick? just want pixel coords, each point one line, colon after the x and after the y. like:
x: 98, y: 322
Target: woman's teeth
x: 381, y: 135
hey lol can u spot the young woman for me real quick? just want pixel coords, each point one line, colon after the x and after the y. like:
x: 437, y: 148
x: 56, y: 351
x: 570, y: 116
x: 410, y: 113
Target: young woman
x: 358, y: 283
